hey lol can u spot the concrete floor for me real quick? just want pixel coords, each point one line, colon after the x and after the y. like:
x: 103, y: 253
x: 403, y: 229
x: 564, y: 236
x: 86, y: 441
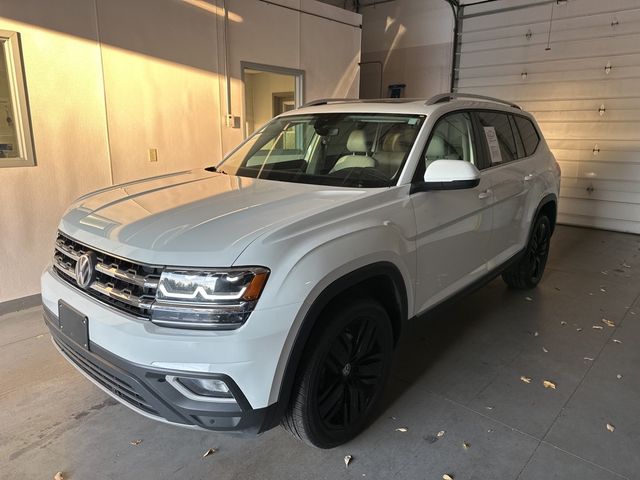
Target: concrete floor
x: 458, y: 371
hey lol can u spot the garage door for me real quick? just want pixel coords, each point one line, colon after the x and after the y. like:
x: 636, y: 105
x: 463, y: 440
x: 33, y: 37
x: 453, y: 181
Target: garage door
x: 576, y: 66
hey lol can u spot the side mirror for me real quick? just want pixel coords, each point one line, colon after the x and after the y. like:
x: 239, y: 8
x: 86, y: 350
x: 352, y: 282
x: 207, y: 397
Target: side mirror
x: 448, y: 175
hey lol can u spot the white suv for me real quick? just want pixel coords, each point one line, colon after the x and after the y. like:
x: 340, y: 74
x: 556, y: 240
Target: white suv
x: 272, y: 288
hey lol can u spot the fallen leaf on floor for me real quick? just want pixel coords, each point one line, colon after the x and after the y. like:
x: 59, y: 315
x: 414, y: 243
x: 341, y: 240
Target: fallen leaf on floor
x: 624, y: 265
x: 535, y: 334
x: 608, y: 323
x: 604, y: 272
x: 446, y: 476
x: 597, y: 327
x: 211, y: 451
x: 489, y: 407
x: 588, y: 359
x: 545, y: 350
x: 490, y: 430
x: 347, y: 460
x: 528, y: 299
x: 440, y: 434
x: 619, y: 377
x: 602, y: 289
x: 557, y: 288
x: 548, y: 384
x: 615, y: 340
x: 466, y: 446
x: 578, y: 329
x: 563, y: 323
x: 525, y: 379
x: 135, y: 443
x: 610, y: 427
x: 40, y: 336
x: 58, y: 476
x: 402, y: 429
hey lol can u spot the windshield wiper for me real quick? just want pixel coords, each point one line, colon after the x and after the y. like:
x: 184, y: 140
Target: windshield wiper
x: 215, y: 170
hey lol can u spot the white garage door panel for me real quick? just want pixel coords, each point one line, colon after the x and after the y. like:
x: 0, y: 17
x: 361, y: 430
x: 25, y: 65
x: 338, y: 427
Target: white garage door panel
x: 605, y: 130
x: 587, y: 89
x: 578, y: 191
x: 539, y: 11
x: 594, y: 64
x: 537, y: 53
x: 591, y: 115
x: 594, y: 74
x: 576, y: 155
x: 564, y: 88
x: 566, y: 28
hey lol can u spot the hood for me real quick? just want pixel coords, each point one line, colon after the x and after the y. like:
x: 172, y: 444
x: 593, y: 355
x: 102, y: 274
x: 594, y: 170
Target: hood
x: 196, y: 218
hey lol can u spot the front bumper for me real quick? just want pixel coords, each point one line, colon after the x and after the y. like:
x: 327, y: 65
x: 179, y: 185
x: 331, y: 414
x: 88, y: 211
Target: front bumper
x: 146, y: 390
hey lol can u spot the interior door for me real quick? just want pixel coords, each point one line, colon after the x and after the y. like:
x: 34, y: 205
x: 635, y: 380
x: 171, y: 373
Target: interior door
x: 454, y: 226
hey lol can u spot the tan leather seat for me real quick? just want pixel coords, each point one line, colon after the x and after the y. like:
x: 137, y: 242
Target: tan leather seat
x: 394, y: 148
x: 359, y: 147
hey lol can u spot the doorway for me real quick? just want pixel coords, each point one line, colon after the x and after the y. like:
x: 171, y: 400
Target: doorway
x: 269, y: 91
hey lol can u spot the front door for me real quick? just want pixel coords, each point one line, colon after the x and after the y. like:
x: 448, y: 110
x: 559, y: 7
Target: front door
x: 454, y: 226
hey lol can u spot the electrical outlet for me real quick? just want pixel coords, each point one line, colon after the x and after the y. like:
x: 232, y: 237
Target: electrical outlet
x: 153, y: 154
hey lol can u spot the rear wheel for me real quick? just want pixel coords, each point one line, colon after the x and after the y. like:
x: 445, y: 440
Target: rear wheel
x: 342, y: 376
x: 527, y: 273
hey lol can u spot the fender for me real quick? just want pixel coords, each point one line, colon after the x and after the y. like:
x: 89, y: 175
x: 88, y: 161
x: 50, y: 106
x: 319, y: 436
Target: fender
x: 344, y: 283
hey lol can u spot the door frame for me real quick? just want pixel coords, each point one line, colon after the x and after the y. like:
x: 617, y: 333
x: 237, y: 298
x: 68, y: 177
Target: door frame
x: 298, y: 93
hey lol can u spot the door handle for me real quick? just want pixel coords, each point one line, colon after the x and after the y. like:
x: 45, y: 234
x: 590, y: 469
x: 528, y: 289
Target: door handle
x: 486, y: 194
x: 529, y: 177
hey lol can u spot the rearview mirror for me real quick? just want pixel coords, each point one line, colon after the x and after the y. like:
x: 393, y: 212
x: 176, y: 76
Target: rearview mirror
x: 448, y: 175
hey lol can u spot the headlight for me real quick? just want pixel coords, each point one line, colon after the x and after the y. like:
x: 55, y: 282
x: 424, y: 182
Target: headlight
x: 221, y: 299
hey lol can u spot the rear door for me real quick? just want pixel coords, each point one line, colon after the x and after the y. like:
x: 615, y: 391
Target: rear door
x: 453, y: 226
x: 510, y: 173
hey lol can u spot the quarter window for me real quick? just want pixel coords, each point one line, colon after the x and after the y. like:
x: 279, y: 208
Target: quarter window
x: 499, y: 136
x: 528, y: 133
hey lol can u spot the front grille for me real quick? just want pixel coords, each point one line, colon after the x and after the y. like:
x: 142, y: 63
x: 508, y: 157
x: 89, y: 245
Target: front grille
x: 118, y: 386
x: 123, y: 284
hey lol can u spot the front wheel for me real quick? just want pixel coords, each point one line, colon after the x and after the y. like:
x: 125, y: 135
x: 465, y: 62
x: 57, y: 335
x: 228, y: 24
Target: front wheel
x: 527, y: 273
x: 342, y: 375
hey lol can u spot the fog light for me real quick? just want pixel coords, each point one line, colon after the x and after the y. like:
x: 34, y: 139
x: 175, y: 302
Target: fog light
x: 206, y: 387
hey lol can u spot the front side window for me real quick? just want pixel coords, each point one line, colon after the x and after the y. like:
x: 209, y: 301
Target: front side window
x: 451, y: 139
x: 338, y: 149
x: 16, y: 148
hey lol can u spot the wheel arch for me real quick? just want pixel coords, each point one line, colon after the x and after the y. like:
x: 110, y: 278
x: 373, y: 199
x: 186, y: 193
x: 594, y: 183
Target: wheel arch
x: 548, y: 206
x: 377, y: 278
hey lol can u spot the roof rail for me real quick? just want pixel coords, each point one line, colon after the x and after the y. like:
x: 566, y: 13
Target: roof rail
x: 446, y: 97
x: 325, y: 101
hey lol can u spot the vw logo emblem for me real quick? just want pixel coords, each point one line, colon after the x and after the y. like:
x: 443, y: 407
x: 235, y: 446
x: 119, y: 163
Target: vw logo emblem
x: 85, y: 269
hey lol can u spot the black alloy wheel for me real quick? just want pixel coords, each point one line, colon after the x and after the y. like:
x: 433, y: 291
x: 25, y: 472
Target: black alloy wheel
x: 350, y: 374
x: 528, y: 272
x: 342, y: 376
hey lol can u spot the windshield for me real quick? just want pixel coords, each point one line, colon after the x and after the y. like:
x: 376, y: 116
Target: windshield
x: 338, y: 149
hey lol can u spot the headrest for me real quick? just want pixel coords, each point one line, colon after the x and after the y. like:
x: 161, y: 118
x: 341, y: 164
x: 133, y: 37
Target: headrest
x: 437, y: 149
x: 398, y: 141
x: 357, y: 142
x: 391, y: 143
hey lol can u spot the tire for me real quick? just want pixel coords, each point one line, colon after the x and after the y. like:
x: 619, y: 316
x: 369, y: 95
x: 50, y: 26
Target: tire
x: 342, y: 375
x: 527, y: 273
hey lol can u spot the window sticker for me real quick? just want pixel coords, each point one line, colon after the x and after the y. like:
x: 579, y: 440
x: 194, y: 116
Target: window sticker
x: 494, y: 146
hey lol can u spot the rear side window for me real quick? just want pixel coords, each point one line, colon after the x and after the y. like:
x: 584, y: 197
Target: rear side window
x: 499, y: 136
x: 528, y: 133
